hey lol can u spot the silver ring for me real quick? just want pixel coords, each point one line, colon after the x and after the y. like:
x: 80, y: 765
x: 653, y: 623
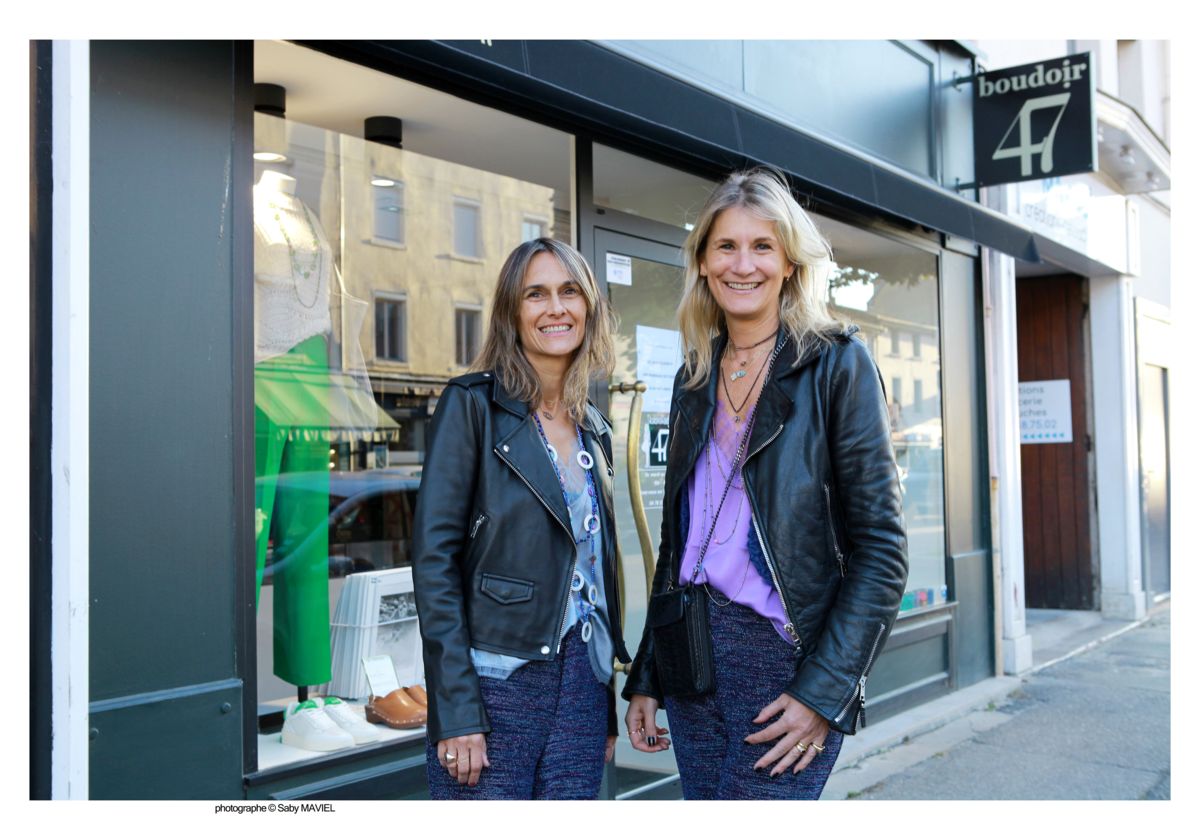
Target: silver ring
x: 585, y: 459
x: 592, y: 523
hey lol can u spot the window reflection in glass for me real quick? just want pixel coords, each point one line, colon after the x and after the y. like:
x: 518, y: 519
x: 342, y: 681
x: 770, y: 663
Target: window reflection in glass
x: 374, y: 270
x: 890, y: 291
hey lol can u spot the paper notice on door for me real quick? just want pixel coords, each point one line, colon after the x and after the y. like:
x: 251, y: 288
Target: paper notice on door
x: 658, y: 357
x: 1045, y: 411
x: 619, y: 269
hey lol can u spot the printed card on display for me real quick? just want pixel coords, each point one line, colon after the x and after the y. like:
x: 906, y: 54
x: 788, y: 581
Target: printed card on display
x: 381, y: 674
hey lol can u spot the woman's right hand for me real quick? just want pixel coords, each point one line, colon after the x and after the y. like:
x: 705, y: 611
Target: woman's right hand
x: 639, y: 720
x: 464, y: 757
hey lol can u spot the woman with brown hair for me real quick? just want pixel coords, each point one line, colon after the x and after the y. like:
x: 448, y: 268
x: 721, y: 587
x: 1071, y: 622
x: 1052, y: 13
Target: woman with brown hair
x: 515, y: 547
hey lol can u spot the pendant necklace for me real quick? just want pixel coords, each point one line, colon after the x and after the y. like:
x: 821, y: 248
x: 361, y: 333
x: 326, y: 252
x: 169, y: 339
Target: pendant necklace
x: 738, y: 374
x: 737, y: 409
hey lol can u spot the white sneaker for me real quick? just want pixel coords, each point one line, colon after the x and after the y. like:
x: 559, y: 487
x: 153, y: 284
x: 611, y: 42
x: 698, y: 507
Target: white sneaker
x: 349, y: 720
x: 308, y: 727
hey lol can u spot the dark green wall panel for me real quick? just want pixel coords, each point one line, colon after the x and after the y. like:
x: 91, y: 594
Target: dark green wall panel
x: 168, y: 746
x: 164, y: 582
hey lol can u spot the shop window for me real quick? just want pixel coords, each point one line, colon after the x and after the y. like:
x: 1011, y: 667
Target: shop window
x: 389, y: 209
x: 532, y: 229
x: 467, y: 229
x: 889, y: 289
x: 467, y: 336
x: 640, y: 187
x: 341, y: 428
x: 391, y: 328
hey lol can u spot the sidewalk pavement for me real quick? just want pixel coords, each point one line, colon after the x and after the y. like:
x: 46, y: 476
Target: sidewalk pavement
x: 1051, y: 734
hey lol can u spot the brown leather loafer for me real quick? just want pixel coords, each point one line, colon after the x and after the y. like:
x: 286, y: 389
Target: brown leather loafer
x: 417, y: 693
x: 397, y: 710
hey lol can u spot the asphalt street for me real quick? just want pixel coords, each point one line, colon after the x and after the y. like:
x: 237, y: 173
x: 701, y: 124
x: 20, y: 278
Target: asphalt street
x: 1094, y: 726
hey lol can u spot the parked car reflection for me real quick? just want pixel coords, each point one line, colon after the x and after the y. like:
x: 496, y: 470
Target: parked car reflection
x: 369, y: 526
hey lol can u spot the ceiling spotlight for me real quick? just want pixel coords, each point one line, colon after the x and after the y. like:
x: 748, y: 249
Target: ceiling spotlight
x: 1126, y: 156
x: 382, y: 182
x: 269, y: 157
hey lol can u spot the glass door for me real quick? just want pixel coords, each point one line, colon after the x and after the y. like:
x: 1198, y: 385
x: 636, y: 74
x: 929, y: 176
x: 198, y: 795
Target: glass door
x: 644, y: 279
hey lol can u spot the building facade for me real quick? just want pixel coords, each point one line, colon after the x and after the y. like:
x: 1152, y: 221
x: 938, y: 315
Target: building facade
x: 235, y: 366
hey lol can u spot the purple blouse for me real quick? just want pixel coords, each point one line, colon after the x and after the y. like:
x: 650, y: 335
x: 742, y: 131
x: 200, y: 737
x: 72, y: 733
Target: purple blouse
x: 727, y: 567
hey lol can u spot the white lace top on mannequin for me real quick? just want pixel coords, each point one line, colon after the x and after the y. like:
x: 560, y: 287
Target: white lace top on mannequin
x: 293, y: 268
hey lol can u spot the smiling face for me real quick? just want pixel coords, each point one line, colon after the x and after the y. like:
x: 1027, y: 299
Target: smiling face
x: 744, y: 265
x: 553, y: 313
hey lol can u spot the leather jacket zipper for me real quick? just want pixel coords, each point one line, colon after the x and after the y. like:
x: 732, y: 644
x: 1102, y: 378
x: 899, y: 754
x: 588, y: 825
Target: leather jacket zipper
x: 567, y: 594
x: 837, y: 549
x: 860, y: 691
x: 790, y: 627
x: 479, y: 520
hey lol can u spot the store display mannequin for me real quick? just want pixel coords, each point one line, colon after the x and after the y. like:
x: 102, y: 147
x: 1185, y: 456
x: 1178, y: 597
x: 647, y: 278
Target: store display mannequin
x: 293, y: 271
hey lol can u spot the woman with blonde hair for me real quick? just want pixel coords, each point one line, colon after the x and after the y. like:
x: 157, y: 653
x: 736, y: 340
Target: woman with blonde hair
x: 514, y: 547
x: 783, y: 556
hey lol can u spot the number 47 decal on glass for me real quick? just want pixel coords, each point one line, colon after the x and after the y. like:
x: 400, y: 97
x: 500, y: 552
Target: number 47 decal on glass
x: 1024, y: 125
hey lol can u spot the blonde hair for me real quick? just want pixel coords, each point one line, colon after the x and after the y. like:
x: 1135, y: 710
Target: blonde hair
x: 802, y: 309
x: 502, y: 351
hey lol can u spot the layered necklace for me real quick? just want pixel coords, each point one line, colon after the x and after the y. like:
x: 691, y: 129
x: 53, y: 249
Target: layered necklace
x: 741, y: 371
x: 737, y: 408
x: 588, y: 599
x: 299, y: 267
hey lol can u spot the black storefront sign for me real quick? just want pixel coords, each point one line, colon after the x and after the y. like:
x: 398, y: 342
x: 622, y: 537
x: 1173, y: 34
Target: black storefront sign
x: 1035, y: 121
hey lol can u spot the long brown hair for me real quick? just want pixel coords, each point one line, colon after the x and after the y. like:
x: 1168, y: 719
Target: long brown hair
x: 502, y: 351
x: 802, y: 309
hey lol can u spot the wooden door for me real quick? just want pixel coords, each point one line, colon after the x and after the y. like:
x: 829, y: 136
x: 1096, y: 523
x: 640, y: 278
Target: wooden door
x: 1056, y: 505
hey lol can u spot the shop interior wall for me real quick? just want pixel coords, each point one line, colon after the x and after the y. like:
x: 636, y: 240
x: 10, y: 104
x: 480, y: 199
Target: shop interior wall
x: 166, y: 701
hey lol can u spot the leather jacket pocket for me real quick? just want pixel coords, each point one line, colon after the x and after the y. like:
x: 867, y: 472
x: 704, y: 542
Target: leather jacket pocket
x: 507, y: 590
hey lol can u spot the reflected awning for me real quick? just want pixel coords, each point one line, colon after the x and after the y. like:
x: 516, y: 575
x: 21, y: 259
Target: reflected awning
x: 319, y: 404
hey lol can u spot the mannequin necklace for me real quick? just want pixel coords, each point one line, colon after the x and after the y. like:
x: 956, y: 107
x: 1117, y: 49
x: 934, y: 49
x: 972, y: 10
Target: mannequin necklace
x: 298, y: 267
x: 738, y: 374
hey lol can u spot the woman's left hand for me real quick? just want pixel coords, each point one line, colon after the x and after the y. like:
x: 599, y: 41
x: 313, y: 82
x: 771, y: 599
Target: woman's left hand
x: 610, y: 747
x: 798, y: 725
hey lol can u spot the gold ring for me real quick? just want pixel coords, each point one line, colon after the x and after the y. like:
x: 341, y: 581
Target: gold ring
x: 800, y: 748
x: 451, y: 756
x: 818, y: 748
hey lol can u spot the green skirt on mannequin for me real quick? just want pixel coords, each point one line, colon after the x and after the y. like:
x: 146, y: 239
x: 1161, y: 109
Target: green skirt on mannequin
x: 291, y: 469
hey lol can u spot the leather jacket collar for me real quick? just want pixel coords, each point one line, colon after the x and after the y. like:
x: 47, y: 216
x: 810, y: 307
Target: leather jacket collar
x: 518, y: 444
x: 697, y: 405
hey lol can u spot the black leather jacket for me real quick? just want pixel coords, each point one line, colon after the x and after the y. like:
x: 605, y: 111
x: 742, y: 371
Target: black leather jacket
x: 492, y: 547
x: 825, y: 500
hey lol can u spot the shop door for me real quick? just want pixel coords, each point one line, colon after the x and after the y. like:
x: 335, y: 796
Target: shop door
x: 644, y: 279
x: 1059, y: 569
x: 1156, y: 504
